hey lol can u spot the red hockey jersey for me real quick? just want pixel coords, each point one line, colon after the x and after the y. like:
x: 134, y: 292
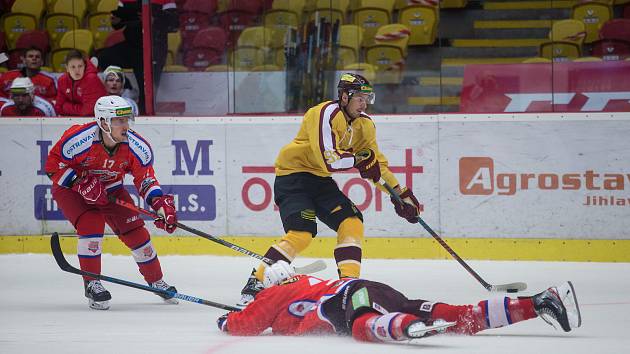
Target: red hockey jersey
x: 290, y: 309
x: 80, y: 152
x: 43, y: 81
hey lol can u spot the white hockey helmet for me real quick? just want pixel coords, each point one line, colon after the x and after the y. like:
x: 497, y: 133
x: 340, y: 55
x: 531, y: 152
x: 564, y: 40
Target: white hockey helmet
x: 22, y: 85
x: 108, y: 107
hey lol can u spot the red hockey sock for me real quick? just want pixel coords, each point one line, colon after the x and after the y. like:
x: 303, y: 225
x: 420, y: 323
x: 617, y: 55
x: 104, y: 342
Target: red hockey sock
x: 373, y: 327
x: 486, y: 314
x: 90, y: 227
x: 139, y: 242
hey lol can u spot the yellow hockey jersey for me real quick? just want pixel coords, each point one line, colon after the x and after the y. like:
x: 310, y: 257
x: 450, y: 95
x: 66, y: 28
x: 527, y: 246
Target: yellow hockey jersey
x: 326, y: 144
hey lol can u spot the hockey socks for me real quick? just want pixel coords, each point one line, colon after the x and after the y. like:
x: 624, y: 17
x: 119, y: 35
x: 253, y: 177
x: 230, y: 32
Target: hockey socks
x: 372, y: 327
x: 289, y: 246
x: 493, y: 313
x: 90, y: 228
x: 138, y: 240
x: 348, y: 251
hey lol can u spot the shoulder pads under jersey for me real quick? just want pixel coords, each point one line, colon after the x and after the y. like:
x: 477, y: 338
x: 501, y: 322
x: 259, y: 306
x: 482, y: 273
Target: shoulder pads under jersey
x: 140, y: 148
x: 79, y: 141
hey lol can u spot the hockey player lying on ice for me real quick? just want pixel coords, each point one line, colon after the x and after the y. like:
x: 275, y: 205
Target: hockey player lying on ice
x: 374, y: 312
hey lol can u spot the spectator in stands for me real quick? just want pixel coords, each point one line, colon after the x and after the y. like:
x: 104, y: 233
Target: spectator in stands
x: 44, y: 82
x: 114, y: 80
x: 128, y: 54
x: 79, y: 87
x: 24, y: 102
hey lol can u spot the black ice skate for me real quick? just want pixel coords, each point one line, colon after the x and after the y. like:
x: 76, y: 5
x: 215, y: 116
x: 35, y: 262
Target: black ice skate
x: 420, y: 329
x: 98, y: 296
x: 161, y: 284
x: 251, y: 289
x: 558, y: 306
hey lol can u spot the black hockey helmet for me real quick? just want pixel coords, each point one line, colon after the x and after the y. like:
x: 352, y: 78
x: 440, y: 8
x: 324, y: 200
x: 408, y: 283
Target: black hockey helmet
x: 355, y: 83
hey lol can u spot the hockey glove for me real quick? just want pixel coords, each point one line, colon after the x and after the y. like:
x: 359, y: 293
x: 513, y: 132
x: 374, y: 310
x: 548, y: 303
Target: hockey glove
x: 366, y: 163
x: 277, y: 273
x: 410, y: 208
x: 222, y: 322
x: 165, y: 207
x: 92, y: 190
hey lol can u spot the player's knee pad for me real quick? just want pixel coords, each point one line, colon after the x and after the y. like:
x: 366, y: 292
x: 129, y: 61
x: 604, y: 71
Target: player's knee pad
x: 350, y: 231
x: 90, y: 246
x: 139, y: 242
x: 348, y: 251
x: 295, y: 242
x: 289, y: 246
x: 301, y: 221
x: 341, y: 213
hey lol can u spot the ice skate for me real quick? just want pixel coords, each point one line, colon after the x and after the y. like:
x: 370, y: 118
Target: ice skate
x: 419, y: 329
x: 558, y: 306
x: 98, y: 296
x: 251, y: 289
x: 161, y: 284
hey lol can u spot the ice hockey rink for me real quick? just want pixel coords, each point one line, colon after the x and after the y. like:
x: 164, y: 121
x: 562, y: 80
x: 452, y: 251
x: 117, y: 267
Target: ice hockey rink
x: 43, y: 309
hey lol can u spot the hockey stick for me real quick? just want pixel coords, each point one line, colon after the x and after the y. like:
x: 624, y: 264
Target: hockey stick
x: 511, y: 287
x: 66, y: 267
x: 307, y: 269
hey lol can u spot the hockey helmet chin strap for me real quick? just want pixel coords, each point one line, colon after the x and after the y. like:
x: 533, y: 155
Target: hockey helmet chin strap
x: 108, y: 132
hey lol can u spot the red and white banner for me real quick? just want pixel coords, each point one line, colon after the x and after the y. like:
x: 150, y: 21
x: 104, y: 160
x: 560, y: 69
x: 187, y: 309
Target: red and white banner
x: 547, y: 87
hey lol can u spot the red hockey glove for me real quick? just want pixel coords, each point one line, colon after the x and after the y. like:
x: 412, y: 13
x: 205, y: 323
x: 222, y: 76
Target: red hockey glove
x: 366, y: 163
x: 165, y: 207
x: 92, y: 190
x: 410, y: 208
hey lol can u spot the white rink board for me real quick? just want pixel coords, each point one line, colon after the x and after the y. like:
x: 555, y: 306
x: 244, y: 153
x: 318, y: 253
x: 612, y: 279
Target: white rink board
x: 530, y: 174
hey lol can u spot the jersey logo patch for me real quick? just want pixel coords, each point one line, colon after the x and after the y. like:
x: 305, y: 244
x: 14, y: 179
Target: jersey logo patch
x: 301, y: 307
x: 140, y: 148
x: 79, y: 142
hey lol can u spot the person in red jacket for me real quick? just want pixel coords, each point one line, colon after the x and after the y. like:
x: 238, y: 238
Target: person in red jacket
x: 87, y: 165
x: 44, y: 83
x: 79, y: 87
x: 375, y: 312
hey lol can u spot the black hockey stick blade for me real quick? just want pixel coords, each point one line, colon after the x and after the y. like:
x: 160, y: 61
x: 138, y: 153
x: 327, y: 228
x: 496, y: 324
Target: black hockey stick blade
x: 65, y: 266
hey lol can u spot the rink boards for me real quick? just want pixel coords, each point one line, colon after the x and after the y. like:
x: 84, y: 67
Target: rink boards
x: 527, y: 186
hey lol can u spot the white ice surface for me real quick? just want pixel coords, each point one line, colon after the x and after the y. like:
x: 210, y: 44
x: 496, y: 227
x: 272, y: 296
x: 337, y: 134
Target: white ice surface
x: 42, y: 309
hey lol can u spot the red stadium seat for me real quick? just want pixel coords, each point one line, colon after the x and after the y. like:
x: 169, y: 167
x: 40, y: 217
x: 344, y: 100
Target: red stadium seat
x: 36, y: 38
x: 195, y: 16
x: 611, y: 49
x: 234, y: 22
x: 211, y: 37
x: 250, y: 6
x: 618, y: 28
x: 15, y: 59
x: 207, y: 49
x: 198, y: 59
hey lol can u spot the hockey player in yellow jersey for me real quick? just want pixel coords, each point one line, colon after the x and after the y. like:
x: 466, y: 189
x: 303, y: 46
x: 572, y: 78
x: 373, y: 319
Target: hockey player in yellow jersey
x: 334, y: 136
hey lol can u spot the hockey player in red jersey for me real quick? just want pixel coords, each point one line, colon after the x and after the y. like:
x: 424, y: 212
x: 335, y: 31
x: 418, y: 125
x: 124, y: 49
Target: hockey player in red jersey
x: 87, y: 165
x: 375, y: 312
